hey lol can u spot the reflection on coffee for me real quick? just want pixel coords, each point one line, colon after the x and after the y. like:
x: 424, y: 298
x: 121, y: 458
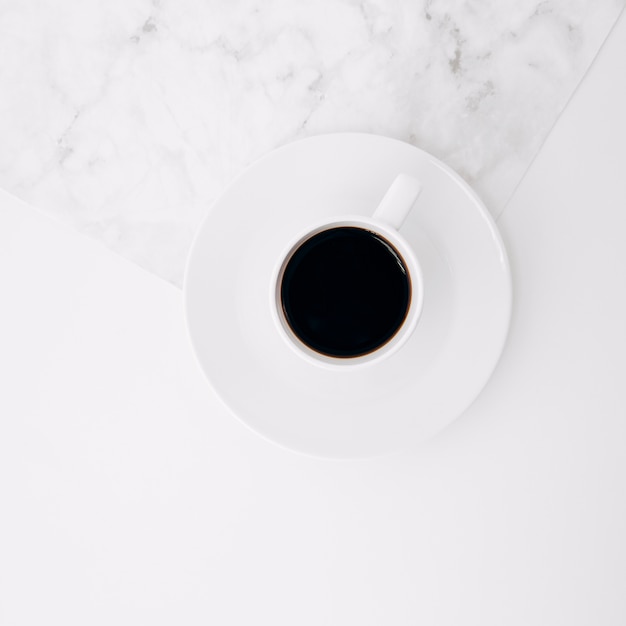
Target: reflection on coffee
x: 345, y: 292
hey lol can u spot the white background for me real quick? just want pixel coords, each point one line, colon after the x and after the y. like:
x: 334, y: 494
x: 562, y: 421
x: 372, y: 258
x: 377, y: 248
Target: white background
x: 128, y: 494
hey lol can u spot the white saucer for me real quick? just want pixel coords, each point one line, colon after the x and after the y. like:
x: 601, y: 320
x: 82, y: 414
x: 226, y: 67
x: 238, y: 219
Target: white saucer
x: 371, y: 410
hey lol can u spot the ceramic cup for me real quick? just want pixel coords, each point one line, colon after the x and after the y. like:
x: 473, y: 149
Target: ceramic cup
x: 385, y: 269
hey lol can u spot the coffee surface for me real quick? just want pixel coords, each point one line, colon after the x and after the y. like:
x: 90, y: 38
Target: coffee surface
x: 345, y: 292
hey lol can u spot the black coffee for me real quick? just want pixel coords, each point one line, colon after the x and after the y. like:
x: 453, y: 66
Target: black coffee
x: 345, y: 292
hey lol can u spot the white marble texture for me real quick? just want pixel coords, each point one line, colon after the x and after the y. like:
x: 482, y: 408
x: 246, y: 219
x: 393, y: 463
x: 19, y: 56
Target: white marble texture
x: 126, y: 118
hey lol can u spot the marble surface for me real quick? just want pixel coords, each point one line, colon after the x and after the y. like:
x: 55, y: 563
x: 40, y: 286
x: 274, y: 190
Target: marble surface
x: 127, y: 118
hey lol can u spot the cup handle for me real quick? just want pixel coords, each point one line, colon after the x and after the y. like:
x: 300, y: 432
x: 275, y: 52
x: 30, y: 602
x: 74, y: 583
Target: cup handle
x: 398, y: 201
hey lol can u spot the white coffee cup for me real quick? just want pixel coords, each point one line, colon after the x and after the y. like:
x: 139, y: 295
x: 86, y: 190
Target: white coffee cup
x: 378, y: 238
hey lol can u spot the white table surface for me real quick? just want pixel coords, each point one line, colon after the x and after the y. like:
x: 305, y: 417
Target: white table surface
x: 128, y: 494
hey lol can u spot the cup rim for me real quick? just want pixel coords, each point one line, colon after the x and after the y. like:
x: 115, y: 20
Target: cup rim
x: 400, y: 336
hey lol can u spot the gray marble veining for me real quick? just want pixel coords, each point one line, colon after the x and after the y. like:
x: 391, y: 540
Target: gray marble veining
x: 127, y: 118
